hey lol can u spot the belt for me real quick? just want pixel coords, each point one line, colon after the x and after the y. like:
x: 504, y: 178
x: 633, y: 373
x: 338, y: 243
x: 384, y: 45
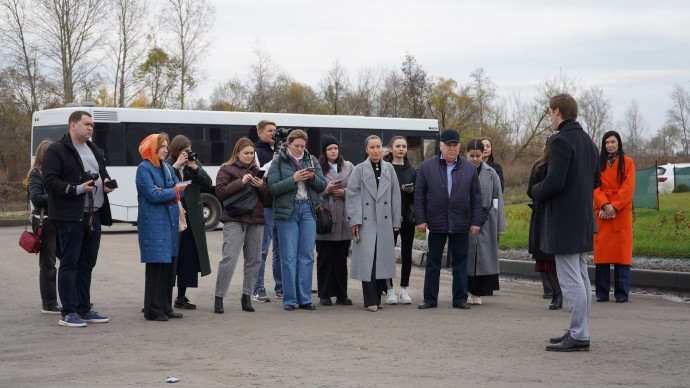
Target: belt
x: 302, y: 200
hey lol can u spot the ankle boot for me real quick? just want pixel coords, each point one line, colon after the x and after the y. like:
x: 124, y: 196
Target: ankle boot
x: 247, y: 303
x: 218, y: 305
x: 556, y: 302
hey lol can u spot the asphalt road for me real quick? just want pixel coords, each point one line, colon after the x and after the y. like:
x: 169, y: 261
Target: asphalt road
x: 645, y: 342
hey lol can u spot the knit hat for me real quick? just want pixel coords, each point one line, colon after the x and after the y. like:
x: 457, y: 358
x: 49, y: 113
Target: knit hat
x: 148, y: 149
x: 327, y: 141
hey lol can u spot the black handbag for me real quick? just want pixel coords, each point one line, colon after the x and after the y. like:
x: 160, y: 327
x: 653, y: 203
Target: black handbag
x: 241, y: 203
x: 324, y: 220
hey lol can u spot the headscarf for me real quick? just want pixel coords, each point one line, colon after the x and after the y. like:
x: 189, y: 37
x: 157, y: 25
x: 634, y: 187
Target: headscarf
x: 148, y: 148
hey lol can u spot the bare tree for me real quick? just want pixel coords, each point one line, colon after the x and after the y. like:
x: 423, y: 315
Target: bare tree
x: 335, y: 87
x: 530, y: 120
x: 665, y: 142
x: 391, y: 96
x: 128, y: 47
x: 293, y: 97
x: 635, y: 126
x: 22, y: 55
x: 679, y: 116
x: 261, y: 80
x: 595, y: 112
x: 189, y: 21
x: 363, y: 97
x: 483, y: 92
x: 72, y: 33
x: 415, y: 88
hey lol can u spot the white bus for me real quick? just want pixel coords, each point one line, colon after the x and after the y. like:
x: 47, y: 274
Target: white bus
x: 118, y: 131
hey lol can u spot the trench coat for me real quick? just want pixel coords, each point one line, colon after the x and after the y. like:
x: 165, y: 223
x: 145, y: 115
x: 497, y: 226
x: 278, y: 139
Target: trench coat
x: 614, y: 242
x: 377, y: 211
x: 336, y: 205
x: 195, y: 211
x: 482, y: 258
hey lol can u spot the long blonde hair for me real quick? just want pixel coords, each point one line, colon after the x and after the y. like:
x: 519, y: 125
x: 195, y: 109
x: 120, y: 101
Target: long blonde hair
x: 38, y: 163
x: 241, y: 144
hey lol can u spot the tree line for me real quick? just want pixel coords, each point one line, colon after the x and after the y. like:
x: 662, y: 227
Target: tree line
x: 112, y: 53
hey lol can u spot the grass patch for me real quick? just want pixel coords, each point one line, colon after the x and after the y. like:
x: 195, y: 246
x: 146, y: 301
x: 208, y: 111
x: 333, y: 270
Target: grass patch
x: 663, y: 233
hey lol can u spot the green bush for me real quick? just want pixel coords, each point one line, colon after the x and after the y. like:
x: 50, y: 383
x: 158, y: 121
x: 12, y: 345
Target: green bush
x: 681, y: 188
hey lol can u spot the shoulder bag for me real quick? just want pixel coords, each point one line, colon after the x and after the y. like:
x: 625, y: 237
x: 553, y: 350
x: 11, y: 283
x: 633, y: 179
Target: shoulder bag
x: 30, y: 241
x: 242, y: 202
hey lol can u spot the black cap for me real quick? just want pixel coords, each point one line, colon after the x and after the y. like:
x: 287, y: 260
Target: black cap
x: 449, y: 136
x: 327, y: 141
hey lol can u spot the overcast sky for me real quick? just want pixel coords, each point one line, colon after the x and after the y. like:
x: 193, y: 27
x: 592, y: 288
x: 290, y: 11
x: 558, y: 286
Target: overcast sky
x: 631, y: 49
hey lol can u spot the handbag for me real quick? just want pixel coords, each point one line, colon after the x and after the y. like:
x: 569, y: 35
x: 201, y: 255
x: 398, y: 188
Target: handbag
x: 28, y: 240
x: 182, y: 224
x: 241, y: 203
x: 324, y: 220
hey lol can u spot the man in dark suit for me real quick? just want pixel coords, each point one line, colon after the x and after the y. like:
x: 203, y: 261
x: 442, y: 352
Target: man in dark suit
x: 567, y: 193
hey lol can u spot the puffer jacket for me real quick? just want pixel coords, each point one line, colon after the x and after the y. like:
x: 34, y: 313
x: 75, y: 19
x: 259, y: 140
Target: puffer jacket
x: 284, y: 188
x: 229, y: 182
x: 432, y: 205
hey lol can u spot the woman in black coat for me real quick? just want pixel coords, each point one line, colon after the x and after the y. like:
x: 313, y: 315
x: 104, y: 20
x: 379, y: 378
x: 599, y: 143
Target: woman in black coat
x: 48, y: 254
x: 545, y: 263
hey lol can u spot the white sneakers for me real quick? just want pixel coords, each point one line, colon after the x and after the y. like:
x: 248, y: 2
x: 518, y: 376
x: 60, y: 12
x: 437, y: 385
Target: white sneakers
x: 404, y: 296
x: 471, y: 299
x: 391, y: 296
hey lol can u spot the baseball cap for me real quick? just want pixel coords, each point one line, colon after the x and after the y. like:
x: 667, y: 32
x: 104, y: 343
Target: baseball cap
x: 449, y: 136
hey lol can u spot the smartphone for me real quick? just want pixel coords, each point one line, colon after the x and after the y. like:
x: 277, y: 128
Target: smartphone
x: 260, y: 174
x: 408, y: 185
x: 111, y: 184
x: 338, y: 181
x: 311, y: 169
x: 186, y: 183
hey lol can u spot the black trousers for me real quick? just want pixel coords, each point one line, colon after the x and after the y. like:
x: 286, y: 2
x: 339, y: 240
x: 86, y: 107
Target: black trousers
x: 158, y: 290
x: 46, y: 262
x: 373, y: 289
x: 331, y: 268
x: 406, y: 234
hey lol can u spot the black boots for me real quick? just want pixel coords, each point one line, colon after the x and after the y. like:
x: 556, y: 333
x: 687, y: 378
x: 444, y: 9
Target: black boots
x: 556, y: 301
x: 247, y: 303
x: 546, y: 283
x: 218, y: 305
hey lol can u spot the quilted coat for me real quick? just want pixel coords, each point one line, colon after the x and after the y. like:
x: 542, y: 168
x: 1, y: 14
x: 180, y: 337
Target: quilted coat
x: 158, y: 218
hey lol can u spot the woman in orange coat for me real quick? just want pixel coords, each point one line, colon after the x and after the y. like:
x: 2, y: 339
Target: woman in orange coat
x: 613, y: 206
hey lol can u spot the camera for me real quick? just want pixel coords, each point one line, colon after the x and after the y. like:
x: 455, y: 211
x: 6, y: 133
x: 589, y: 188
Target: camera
x: 280, y: 136
x: 91, y: 176
x: 191, y: 155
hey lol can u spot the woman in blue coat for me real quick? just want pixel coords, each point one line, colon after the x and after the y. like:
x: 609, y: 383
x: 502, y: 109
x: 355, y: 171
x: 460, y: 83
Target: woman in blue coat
x: 158, y: 191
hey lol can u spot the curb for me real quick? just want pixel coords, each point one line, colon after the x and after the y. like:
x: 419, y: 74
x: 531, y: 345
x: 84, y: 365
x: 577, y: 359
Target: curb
x: 8, y: 223
x: 639, y: 278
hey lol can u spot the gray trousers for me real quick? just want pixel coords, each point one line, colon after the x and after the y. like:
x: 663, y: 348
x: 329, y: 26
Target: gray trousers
x: 236, y: 237
x: 577, y: 290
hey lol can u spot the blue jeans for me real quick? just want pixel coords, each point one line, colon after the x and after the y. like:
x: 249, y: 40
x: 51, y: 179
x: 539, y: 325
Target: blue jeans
x: 457, y: 245
x: 297, y: 237
x: 79, y: 250
x: 270, y: 235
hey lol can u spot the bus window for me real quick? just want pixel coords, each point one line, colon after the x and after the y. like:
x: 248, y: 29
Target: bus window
x: 430, y: 148
x: 414, y: 154
x: 110, y: 137
x: 53, y: 132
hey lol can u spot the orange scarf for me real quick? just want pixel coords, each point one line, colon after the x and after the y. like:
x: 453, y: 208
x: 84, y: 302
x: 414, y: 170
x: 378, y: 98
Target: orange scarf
x: 148, y: 148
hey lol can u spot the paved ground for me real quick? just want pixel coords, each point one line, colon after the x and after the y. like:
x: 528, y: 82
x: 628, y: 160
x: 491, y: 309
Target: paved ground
x: 642, y: 343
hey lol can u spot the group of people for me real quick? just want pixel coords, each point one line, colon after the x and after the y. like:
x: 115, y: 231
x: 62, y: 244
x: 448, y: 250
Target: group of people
x: 574, y: 191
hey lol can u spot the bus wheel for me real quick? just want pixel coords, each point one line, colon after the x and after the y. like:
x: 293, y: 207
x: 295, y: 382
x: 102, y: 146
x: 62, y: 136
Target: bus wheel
x: 211, y: 207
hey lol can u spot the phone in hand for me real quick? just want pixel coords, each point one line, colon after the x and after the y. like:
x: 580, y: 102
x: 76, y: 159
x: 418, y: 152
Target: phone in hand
x: 260, y: 174
x: 186, y: 183
x: 310, y: 169
x: 111, y: 184
x: 408, y: 185
x: 337, y: 182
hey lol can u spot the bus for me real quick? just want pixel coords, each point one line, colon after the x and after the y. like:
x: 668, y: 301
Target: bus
x: 118, y: 131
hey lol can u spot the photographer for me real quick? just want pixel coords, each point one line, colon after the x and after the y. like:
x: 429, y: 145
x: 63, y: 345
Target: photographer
x: 192, y: 256
x: 75, y: 178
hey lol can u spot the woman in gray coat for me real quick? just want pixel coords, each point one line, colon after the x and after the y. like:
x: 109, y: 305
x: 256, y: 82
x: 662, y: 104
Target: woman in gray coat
x: 372, y: 203
x: 482, y: 257
x: 333, y: 248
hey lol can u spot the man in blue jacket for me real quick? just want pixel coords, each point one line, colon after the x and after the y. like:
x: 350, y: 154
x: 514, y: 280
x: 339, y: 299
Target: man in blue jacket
x: 75, y: 178
x: 567, y: 192
x: 447, y: 202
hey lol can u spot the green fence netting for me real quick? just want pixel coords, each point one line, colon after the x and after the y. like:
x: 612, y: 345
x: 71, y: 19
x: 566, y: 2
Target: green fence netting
x: 682, y: 177
x: 645, y: 189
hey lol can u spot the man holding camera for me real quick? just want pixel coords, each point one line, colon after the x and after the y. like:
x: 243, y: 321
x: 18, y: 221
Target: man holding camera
x: 75, y: 177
